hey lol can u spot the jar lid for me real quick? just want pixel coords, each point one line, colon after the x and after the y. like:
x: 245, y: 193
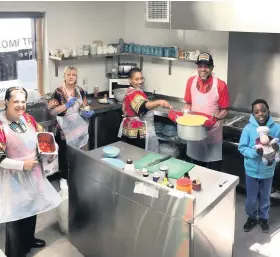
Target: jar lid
x: 163, y: 168
x: 146, y: 174
x: 170, y: 185
x: 129, y: 161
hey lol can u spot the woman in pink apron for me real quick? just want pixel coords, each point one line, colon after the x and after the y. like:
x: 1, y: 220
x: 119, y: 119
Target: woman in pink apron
x: 137, y: 127
x: 24, y: 189
x: 207, y: 94
x: 72, y: 128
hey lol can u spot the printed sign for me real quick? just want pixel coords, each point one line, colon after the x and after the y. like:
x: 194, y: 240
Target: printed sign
x: 15, y: 44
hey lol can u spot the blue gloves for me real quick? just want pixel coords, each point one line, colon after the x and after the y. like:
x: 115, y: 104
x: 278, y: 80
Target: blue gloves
x: 70, y: 102
x: 87, y: 114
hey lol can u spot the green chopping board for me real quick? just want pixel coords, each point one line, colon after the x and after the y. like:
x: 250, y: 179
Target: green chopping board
x: 176, y: 168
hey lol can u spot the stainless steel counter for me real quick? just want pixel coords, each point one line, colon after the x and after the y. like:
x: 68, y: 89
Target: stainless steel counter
x: 205, y: 199
x: 105, y: 210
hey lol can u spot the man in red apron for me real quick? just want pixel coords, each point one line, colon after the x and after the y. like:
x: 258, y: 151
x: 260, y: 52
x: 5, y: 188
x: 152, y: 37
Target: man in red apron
x: 207, y: 94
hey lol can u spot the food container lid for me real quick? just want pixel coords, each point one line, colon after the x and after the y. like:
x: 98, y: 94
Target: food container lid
x: 184, y: 182
x: 144, y: 170
x: 156, y: 175
x: 163, y: 168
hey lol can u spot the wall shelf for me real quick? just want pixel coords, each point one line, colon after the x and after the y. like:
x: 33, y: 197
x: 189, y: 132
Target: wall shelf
x: 58, y: 60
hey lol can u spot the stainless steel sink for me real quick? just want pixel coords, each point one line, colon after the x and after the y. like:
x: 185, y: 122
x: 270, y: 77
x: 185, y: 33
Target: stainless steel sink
x: 42, y: 116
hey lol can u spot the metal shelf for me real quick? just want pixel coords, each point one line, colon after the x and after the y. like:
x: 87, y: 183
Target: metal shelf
x: 57, y: 60
x: 84, y: 57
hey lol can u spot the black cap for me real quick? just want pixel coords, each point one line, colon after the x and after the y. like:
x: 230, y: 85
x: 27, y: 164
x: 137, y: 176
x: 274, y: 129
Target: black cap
x: 205, y: 58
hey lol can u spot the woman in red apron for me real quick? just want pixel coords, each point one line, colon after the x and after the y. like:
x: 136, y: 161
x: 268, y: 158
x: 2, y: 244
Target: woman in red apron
x: 207, y: 94
x: 24, y: 189
x: 137, y: 127
x: 72, y: 128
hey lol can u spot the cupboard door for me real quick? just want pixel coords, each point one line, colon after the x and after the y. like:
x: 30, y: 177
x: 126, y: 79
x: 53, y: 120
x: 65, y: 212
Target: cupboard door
x: 106, y: 128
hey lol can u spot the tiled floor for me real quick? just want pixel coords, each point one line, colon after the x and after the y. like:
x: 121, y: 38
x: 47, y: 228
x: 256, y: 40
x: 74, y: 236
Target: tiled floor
x: 266, y: 245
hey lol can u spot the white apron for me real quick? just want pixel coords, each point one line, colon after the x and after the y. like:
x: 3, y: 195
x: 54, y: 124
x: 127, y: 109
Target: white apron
x: 74, y: 127
x: 151, y: 140
x: 210, y: 149
x: 23, y: 193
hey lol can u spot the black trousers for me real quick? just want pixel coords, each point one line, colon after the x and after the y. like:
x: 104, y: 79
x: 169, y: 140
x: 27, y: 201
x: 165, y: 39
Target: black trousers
x: 139, y: 142
x: 217, y: 165
x: 20, y: 236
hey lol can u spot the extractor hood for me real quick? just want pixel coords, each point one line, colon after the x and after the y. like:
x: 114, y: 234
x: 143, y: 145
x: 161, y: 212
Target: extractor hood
x: 242, y: 16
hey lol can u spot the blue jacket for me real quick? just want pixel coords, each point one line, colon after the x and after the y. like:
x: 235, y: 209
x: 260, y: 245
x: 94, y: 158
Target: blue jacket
x: 254, y: 166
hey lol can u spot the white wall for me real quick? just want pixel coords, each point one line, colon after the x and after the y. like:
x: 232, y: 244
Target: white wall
x: 156, y: 75
x: 72, y: 24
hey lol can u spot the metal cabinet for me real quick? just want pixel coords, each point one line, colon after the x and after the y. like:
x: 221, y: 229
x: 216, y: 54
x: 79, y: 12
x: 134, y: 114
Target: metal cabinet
x: 104, y: 128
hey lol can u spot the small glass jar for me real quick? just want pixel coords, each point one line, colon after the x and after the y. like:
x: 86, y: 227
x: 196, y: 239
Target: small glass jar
x: 163, y: 171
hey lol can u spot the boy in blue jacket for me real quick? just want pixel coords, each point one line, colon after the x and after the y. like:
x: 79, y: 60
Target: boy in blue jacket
x: 258, y: 175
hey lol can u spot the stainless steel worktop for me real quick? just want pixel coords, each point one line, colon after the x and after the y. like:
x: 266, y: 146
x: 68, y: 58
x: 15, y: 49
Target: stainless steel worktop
x: 104, y: 207
x: 206, y: 199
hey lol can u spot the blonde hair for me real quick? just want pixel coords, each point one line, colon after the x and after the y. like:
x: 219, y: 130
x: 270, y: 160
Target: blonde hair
x: 69, y: 68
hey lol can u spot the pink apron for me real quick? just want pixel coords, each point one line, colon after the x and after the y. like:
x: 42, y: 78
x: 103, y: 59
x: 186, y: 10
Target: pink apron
x: 23, y: 193
x: 210, y: 149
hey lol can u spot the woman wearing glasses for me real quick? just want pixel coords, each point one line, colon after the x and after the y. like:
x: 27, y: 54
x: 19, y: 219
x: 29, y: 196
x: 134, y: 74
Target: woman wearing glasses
x: 137, y: 127
x: 24, y: 190
x: 72, y: 127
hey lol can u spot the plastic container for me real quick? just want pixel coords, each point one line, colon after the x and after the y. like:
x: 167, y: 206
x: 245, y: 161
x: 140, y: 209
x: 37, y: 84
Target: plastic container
x: 111, y: 151
x: 196, y: 184
x: 156, y: 177
x: 163, y: 172
x: 48, y: 138
x: 129, y: 166
x: 185, y: 185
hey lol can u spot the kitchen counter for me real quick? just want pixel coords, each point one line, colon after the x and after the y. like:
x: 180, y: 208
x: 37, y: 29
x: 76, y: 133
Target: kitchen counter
x: 210, y: 179
x: 103, y: 207
x: 101, y: 108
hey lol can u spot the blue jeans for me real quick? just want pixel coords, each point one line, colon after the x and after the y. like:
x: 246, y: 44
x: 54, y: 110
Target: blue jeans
x: 258, y: 197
